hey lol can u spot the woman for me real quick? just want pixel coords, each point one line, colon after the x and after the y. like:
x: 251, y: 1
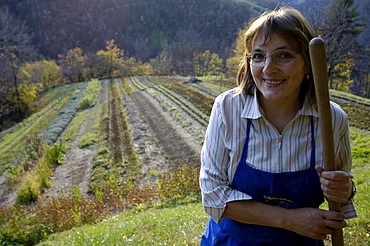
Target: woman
x: 262, y: 178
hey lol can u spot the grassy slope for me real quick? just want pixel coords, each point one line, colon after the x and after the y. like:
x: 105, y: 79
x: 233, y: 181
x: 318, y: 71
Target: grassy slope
x: 184, y: 225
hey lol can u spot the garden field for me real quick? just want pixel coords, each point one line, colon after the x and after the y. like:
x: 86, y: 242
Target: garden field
x: 116, y: 162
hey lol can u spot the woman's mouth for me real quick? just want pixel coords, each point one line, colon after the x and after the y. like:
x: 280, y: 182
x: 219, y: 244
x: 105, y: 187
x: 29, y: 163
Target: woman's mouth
x: 273, y: 82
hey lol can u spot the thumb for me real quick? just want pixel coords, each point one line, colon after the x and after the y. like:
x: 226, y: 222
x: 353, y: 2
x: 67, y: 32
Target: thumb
x: 319, y: 169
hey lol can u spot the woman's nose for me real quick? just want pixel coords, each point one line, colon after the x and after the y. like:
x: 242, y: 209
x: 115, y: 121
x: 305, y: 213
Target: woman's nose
x: 270, y: 65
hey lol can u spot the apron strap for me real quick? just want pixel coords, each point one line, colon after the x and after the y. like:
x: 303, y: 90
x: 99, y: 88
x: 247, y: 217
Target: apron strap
x: 313, y: 158
x: 245, y: 149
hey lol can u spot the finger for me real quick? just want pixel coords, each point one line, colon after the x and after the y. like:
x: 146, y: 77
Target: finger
x: 332, y: 215
x: 336, y: 224
x: 335, y: 175
x: 333, y: 184
x: 341, y: 198
x: 319, y: 169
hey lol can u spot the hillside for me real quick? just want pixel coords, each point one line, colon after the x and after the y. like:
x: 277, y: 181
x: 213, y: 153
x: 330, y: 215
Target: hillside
x: 137, y: 128
x: 142, y: 28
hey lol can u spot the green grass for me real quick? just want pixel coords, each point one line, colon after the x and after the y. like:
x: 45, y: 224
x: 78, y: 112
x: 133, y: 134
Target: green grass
x: 73, y: 129
x: 182, y: 225
x: 358, y: 230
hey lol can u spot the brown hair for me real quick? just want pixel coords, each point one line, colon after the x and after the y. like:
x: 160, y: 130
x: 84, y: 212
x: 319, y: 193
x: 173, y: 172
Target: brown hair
x: 288, y: 23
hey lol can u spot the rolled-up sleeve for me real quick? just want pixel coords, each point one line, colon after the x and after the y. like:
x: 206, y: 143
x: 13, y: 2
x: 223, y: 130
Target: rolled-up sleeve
x: 343, y: 148
x: 215, y: 170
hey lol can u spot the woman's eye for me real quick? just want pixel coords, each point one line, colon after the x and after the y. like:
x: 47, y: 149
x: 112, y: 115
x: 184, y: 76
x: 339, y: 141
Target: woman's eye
x: 258, y: 56
x: 285, y: 56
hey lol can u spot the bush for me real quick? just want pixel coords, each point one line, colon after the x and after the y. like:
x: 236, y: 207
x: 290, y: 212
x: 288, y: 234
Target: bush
x: 54, y: 154
x: 180, y: 186
x: 30, y: 190
x: 28, y: 225
x: 13, y: 173
x: 36, y: 181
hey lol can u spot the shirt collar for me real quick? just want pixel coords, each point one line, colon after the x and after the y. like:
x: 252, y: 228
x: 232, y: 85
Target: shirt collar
x: 252, y: 109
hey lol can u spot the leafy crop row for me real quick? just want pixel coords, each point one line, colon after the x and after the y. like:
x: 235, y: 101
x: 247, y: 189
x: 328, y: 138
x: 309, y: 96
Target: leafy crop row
x: 127, y: 88
x: 36, y: 180
x: 194, y: 112
x: 120, y: 165
x: 138, y: 85
x: 28, y: 225
x: 56, y: 127
x: 175, y: 114
x: 90, y: 95
x: 201, y: 101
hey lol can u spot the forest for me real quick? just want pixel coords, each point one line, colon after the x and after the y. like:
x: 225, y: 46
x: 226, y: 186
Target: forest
x: 44, y: 44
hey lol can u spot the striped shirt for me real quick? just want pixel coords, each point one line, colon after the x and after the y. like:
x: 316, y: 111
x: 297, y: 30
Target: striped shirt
x: 268, y: 150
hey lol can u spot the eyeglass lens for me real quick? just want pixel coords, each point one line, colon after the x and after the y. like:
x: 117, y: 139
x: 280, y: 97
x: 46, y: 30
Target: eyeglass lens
x: 281, y: 57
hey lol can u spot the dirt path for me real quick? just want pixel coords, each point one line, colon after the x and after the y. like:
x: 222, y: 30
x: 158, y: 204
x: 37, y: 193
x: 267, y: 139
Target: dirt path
x: 77, y: 163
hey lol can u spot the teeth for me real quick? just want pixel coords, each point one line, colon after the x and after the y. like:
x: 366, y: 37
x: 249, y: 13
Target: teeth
x: 274, y: 82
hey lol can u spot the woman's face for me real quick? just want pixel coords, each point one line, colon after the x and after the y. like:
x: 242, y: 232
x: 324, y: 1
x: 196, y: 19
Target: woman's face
x: 278, y: 83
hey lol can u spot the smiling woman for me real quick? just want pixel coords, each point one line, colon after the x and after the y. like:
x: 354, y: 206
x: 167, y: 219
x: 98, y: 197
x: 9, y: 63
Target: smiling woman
x: 262, y: 153
x: 279, y: 83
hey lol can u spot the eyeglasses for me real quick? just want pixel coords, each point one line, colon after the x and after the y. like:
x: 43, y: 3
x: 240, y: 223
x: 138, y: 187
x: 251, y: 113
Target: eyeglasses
x: 281, y: 57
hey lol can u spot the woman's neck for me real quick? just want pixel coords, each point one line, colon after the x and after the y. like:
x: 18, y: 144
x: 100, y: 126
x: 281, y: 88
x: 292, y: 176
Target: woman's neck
x: 279, y: 114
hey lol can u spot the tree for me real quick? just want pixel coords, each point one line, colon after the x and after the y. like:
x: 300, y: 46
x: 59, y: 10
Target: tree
x: 182, y: 50
x: 233, y: 62
x: 361, y: 84
x: 339, y: 30
x: 45, y: 72
x: 15, y: 48
x: 112, y: 58
x: 23, y: 95
x: 314, y: 11
x: 162, y: 64
x: 141, y: 69
x: 74, y: 64
x: 207, y: 64
x: 344, y: 81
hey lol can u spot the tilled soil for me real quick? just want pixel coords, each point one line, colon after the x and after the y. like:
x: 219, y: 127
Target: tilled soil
x: 76, y: 169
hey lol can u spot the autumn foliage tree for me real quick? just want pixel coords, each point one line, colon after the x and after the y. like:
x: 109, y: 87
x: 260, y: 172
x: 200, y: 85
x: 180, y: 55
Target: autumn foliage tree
x: 74, y: 64
x: 207, y: 64
x: 45, y: 72
x: 112, y: 58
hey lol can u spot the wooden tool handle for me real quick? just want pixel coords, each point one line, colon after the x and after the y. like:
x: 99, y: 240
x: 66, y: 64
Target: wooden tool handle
x: 320, y: 76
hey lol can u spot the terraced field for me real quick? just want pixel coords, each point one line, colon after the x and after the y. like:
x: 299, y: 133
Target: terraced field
x: 131, y: 132
x: 138, y: 129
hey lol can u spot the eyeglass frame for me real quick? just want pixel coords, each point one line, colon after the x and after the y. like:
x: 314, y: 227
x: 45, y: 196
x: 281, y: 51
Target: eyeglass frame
x: 250, y: 60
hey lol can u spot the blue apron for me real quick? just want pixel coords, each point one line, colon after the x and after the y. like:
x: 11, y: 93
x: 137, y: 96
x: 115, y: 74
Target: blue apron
x: 288, y: 189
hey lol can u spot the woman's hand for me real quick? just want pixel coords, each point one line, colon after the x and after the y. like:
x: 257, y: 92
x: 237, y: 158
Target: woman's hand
x: 313, y: 222
x: 337, y: 185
